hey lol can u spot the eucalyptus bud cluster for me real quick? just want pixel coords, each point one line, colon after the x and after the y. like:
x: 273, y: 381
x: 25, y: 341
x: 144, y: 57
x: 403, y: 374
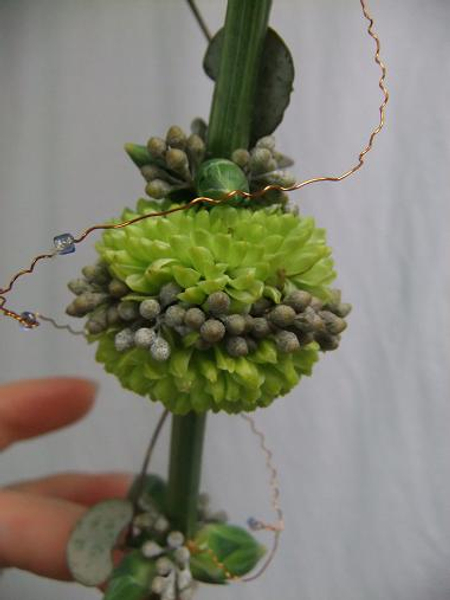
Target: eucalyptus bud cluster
x: 174, y: 160
x: 264, y: 165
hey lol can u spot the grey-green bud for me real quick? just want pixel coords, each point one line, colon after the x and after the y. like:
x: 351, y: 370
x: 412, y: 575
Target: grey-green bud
x: 168, y: 293
x: 194, y: 318
x: 128, y: 310
x: 112, y: 315
x: 118, y: 288
x: 287, y: 341
x: 178, y: 162
x: 195, y: 149
x: 260, y: 160
x: 333, y: 323
x: 234, y: 324
x: 218, y: 303
x: 212, y: 331
x: 160, y: 349
x: 176, y: 138
x: 86, y: 302
x: 298, y: 300
x: 308, y: 321
x: 268, y: 141
x: 260, y: 307
x: 157, y: 147
x: 241, y: 157
x: 343, y: 310
x: 282, y: 315
x: 199, y: 127
x: 124, y: 340
x: 144, y: 337
x: 97, y: 274
x: 261, y: 328
x: 158, y: 189
x: 79, y: 286
x: 237, y: 346
x: 174, y: 315
x: 327, y: 341
x: 149, y: 309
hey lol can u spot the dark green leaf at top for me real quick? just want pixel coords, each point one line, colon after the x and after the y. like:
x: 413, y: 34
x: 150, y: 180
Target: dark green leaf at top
x: 275, y: 81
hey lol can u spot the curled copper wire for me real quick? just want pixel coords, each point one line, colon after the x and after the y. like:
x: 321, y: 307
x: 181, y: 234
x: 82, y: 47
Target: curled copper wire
x: 210, y: 201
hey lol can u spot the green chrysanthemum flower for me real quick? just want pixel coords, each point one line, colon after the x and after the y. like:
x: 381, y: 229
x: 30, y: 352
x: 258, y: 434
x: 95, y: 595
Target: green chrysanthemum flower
x: 247, y: 253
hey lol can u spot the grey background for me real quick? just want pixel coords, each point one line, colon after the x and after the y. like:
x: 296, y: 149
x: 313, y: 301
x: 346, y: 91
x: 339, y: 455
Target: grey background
x: 363, y: 447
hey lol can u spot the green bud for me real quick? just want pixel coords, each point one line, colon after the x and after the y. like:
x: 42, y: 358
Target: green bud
x: 316, y: 304
x: 212, y: 331
x: 176, y: 138
x: 282, y: 315
x: 282, y: 178
x: 151, y: 172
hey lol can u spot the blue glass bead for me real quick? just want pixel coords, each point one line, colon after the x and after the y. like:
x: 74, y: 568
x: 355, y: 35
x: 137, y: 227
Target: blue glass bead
x: 64, y: 243
x: 30, y: 320
x: 253, y: 523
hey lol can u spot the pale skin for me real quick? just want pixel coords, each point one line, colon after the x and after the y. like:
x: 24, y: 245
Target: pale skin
x: 36, y: 517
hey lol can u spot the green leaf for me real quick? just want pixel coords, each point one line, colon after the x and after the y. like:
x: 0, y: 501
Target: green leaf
x: 138, y: 154
x: 275, y: 81
x: 93, y: 539
x: 132, y: 579
x: 228, y: 544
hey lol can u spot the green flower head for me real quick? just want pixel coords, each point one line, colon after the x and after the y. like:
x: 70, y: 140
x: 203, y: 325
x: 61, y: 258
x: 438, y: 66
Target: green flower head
x: 255, y: 260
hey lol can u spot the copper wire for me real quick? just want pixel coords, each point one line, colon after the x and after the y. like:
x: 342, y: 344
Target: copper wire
x: 205, y: 200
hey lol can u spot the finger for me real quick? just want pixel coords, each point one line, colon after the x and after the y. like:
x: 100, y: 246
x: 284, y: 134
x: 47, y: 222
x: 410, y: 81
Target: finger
x: 30, y: 408
x: 82, y: 488
x: 34, y: 531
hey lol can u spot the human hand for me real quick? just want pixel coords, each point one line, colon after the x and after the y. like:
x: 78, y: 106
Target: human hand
x: 36, y: 517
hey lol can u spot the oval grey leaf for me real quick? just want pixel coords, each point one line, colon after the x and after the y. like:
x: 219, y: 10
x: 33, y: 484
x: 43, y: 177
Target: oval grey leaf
x: 93, y: 539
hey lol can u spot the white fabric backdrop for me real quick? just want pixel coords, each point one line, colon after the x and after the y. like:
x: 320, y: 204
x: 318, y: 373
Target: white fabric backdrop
x: 363, y: 447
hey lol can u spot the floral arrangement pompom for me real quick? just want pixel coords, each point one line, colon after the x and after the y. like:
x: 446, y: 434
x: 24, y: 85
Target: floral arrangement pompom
x: 221, y: 309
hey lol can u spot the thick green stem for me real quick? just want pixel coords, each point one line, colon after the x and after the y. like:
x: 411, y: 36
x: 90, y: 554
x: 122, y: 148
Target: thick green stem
x: 185, y: 470
x: 230, y: 120
x: 229, y: 128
